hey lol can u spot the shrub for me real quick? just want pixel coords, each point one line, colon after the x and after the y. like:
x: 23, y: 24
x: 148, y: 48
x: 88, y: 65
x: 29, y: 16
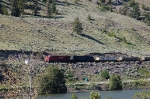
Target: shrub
x: 89, y: 17
x: 115, y: 82
x: 67, y: 3
x: 94, y: 95
x: 74, y: 96
x: 105, y: 74
x: 76, y: 1
x: 112, y: 34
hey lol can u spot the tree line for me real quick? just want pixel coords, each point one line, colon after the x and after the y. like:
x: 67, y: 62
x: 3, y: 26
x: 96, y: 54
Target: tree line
x: 129, y: 8
x: 17, y: 7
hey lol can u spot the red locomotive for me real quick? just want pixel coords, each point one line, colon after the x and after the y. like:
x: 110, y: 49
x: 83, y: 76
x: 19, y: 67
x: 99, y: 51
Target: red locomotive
x: 53, y: 58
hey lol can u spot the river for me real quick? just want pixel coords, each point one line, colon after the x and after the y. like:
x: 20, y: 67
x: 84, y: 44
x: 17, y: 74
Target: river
x: 124, y: 94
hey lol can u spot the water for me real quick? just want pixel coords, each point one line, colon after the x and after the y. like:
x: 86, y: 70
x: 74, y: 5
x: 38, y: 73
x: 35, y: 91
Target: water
x: 124, y: 94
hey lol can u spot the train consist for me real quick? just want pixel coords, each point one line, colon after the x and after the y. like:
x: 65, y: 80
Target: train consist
x: 93, y: 58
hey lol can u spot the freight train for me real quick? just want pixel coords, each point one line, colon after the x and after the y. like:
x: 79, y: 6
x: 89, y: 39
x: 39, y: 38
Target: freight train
x: 93, y: 58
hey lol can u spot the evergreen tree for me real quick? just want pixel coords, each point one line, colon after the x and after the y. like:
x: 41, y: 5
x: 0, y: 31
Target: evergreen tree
x: 52, y: 81
x: 35, y: 10
x: 105, y: 74
x: 102, y: 1
x: 17, y: 7
x: 109, y: 1
x: 89, y: 17
x: 0, y: 8
x: 77, y: 26
x: 124, y: 9
x: 53, y: 6
x: 48, y: 8
x: 131, y: 3
x: 115, y: 82
x: 4, y: 10
x: 14, y: 8
x: 136, y: 11
x: 143, y: 6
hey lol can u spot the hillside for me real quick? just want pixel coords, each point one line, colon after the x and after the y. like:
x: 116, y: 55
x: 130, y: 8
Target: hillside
x: 106, y: 32
x: 27, y: 36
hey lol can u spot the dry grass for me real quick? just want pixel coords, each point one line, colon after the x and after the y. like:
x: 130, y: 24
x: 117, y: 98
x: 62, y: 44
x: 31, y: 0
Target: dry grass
x: 55, y: 34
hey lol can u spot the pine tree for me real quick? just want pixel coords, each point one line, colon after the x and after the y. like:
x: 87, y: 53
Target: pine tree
x: 17, y: 7
x: 35, y: 10
x: 52, y: 81
x: 48, y: 8
x: 0, y: 8
x: 77, y: 26
x: 131, y: 3
x: 115, y: 82
x: 143, y: 6
x: 105, y: 74
x: 4, y: 10
x: 102, y: 1
x: 125, y: 9
x: 53, y: 6
x: 136, y: 11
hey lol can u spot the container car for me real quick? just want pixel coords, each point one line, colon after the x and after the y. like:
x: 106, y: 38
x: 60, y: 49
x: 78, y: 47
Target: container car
x: 83, y: 59
x: 130, y: 59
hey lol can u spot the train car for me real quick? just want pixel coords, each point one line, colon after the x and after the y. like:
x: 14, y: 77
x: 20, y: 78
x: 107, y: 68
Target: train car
x: 130, y: 59
x: 145, y: 58
x: 83, y: 59
x: 53, y: 58
x: 105, y: 59
x: 46, y: 59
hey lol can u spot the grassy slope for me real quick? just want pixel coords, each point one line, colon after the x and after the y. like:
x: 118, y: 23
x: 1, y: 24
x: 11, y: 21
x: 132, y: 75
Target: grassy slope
x: 34, y: 33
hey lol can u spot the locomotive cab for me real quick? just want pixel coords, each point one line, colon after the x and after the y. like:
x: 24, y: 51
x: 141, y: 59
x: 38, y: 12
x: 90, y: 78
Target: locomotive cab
x: 46, y: 59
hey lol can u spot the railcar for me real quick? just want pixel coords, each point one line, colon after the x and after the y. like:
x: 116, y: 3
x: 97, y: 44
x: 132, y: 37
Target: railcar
x: 53, y: 58
x: 145, y: 58
x: 105, y: 59
x: 130, y: 59
x: 83, y: 59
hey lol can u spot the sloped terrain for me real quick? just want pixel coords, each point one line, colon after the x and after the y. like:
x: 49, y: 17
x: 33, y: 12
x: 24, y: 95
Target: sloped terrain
x: 104, y: 33
x: 107, y: 31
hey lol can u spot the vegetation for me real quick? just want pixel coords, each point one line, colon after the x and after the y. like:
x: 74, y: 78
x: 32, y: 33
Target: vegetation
x: 74, y: 96
x: 53, y: 6
x: 94, y: 95
x: 52, y: 34
x: 35, y: 10
x: 17, y: 7
x: 48, y: 8
x: 136, y: 11
x: 89, y: 17
x: 77, y: 26
x: 144, y: 72
x: 142, y: 95
x: 52, y: 81
x: 105, y: 74
x: 115, y: 82
x: 3, y: 9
